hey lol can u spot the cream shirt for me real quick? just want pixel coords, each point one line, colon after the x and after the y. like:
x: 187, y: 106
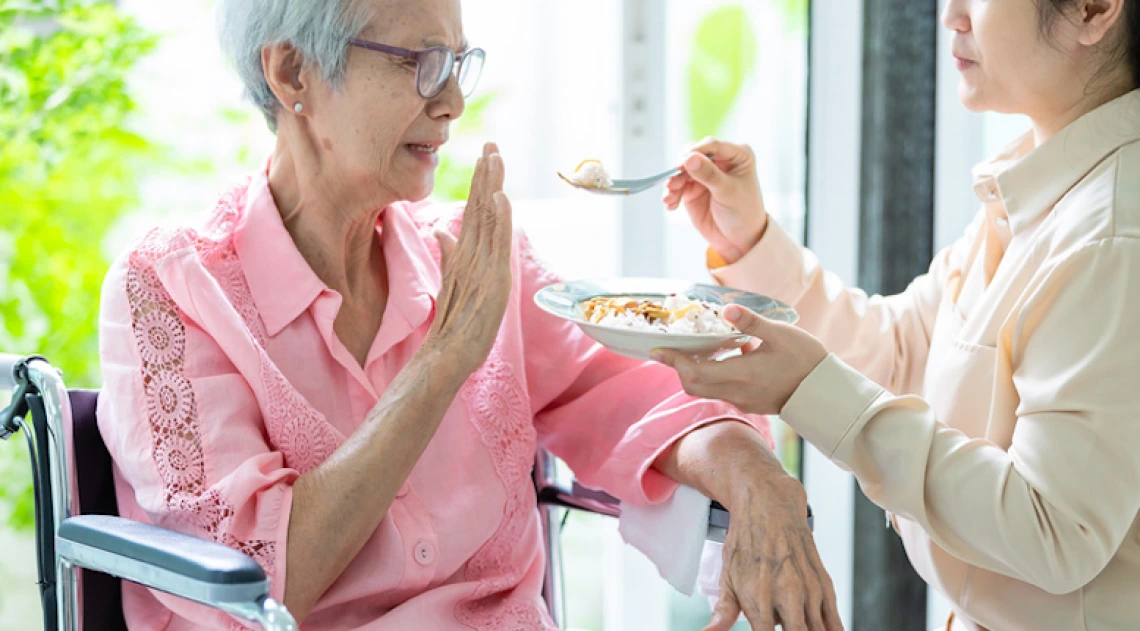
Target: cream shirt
x: 994, y: 406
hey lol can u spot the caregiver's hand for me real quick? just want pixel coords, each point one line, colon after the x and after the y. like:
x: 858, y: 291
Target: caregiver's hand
x: 764, y: 377
x: 722, y: 196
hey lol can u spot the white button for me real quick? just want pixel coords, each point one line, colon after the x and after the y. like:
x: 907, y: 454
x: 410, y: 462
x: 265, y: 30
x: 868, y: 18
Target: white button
x: 425, y: 553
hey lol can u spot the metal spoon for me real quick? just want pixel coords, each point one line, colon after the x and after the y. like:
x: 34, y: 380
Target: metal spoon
x: 623, y: 187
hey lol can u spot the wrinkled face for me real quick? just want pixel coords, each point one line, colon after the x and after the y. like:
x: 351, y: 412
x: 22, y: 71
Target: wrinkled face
x: 375, y: 131
x: 1005, y: 64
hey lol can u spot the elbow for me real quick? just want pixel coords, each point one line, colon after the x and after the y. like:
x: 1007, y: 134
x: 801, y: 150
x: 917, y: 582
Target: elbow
x: 1066, y: 580
x: 1071, y: 570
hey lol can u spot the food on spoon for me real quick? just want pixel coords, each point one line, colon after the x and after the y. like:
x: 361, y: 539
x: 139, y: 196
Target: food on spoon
x: 590, y: 173
x: 676, y: 314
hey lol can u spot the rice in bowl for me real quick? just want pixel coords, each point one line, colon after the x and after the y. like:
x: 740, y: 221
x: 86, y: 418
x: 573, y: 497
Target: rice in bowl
x: 675, y: 314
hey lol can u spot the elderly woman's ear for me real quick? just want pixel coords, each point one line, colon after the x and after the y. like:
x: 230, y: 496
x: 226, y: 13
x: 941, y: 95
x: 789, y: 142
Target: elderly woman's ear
x: 287, y: 75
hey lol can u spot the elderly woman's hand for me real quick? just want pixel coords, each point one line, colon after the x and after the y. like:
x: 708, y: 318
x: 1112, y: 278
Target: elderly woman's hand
x: 771, y: 569
x: 476, y: 270
x: 722, y: 195
x: 764, y: 377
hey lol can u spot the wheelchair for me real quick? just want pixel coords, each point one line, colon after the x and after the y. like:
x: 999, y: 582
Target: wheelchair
x: 84, y: 549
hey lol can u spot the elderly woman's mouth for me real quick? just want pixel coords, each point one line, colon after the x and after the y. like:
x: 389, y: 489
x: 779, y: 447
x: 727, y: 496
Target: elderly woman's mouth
x: 426, y: 154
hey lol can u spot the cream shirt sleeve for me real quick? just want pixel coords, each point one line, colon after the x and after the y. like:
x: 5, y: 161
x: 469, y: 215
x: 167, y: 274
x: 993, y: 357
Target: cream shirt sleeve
x: 886, y: 338
x: 1054, y: 508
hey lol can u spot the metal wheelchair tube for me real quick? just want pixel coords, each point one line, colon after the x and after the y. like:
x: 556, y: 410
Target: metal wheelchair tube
x: 271, y: 615
x: 57, y: 408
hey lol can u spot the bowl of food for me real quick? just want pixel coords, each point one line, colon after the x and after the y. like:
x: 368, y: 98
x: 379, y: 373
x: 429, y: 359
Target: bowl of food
x: 633, y: 316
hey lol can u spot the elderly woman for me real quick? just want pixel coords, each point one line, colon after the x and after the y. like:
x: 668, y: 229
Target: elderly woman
x: 1015, y: 478
x: 350, y: 387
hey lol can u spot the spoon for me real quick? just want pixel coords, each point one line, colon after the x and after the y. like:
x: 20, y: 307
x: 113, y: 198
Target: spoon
x: 623, y: 187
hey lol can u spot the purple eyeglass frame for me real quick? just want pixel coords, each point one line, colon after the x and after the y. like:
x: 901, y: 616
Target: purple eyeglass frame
x: 418, y: 55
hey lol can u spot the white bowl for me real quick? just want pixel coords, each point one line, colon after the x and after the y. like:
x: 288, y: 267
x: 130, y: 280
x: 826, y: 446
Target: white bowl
x: 564, y: 300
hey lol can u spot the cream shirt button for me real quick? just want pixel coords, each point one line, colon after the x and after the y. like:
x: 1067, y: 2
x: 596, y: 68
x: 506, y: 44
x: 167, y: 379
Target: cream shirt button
x: 424, y: 553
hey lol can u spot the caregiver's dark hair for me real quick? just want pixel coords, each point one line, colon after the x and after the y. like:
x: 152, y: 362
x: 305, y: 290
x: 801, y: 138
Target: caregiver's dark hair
x: 1126, y: 50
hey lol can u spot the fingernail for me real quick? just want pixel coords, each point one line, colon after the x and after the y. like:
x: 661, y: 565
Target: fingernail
x: 692, y: 163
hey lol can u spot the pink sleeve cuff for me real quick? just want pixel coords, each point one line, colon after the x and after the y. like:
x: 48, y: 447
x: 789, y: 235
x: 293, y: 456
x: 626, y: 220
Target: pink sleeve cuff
x: 631, y: 466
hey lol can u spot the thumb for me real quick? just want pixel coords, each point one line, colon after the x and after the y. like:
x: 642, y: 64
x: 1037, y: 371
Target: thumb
x: 447, y: 243
x: 703, y: 170
x: 749, y: 322
x: 726, y: 612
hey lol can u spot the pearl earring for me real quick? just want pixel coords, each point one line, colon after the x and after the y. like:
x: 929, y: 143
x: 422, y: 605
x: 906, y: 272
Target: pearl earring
x: 298, y: 107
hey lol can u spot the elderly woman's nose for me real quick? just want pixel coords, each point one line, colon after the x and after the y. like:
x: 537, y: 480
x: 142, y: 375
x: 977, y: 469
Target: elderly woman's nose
x: 449, y: 103
x: 956, y: 15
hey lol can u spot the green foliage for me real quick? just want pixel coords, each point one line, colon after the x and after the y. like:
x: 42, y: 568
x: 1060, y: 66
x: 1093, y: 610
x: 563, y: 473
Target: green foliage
x: 453, y: 177
x: 724, y: 54
x: 68, y: 172
x: 795, y: 15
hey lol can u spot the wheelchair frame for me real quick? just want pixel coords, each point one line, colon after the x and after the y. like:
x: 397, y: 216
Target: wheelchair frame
x: 185, y: 566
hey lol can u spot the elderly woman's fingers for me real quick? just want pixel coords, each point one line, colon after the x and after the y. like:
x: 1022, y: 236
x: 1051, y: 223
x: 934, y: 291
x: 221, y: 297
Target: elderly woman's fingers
x: 726, y: 612
x: 759, y: 617
x: 790, y: 601
x: 469, y: 232
x: 504, y: 231
x: 496, y: 173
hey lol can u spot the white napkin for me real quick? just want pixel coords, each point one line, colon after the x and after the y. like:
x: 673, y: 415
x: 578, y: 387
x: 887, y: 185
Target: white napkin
x: 671, y: 535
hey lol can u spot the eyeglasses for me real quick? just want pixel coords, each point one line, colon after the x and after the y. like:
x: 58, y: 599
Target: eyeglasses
x: 435, y: 65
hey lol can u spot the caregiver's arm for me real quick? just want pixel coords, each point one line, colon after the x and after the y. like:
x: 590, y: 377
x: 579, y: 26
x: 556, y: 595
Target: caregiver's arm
x: 1052, y: 509
x: 886, y: 338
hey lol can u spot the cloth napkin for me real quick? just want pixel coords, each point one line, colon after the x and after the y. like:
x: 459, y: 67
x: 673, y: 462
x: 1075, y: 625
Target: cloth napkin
x: 672, y: 536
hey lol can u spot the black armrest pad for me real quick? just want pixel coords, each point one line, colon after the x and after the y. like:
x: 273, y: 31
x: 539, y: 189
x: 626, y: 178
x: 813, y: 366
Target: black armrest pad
x: 184, y: 555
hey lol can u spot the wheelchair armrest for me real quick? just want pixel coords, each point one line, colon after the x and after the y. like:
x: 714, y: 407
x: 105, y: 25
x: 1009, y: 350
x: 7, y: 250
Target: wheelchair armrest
x: 583, y: 498
x: 185, y: 566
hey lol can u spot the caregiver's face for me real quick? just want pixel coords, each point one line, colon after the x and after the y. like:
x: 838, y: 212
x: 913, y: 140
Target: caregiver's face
x: 1005, y: 63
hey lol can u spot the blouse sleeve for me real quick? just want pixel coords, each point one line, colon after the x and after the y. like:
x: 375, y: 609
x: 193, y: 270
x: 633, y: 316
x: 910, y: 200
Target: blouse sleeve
x: 185, y: 432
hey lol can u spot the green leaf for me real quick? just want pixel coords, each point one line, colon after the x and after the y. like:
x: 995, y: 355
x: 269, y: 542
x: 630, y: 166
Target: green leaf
x: 69, y: 167
x: 724, y: 55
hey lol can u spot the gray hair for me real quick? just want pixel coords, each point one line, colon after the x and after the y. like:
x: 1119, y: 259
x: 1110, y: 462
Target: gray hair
x: 318, y: 29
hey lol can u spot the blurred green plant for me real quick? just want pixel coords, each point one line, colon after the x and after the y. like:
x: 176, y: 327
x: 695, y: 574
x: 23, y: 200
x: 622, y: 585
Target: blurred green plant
x: 795, y: 14
x: 723, y: 55
x: 453, y: 177
x: 68, y: 173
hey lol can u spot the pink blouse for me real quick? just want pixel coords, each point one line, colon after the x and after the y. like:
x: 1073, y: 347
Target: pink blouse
x: 224, y: 382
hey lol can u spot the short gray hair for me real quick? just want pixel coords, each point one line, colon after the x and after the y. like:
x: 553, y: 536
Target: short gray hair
x: 318, y: 29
